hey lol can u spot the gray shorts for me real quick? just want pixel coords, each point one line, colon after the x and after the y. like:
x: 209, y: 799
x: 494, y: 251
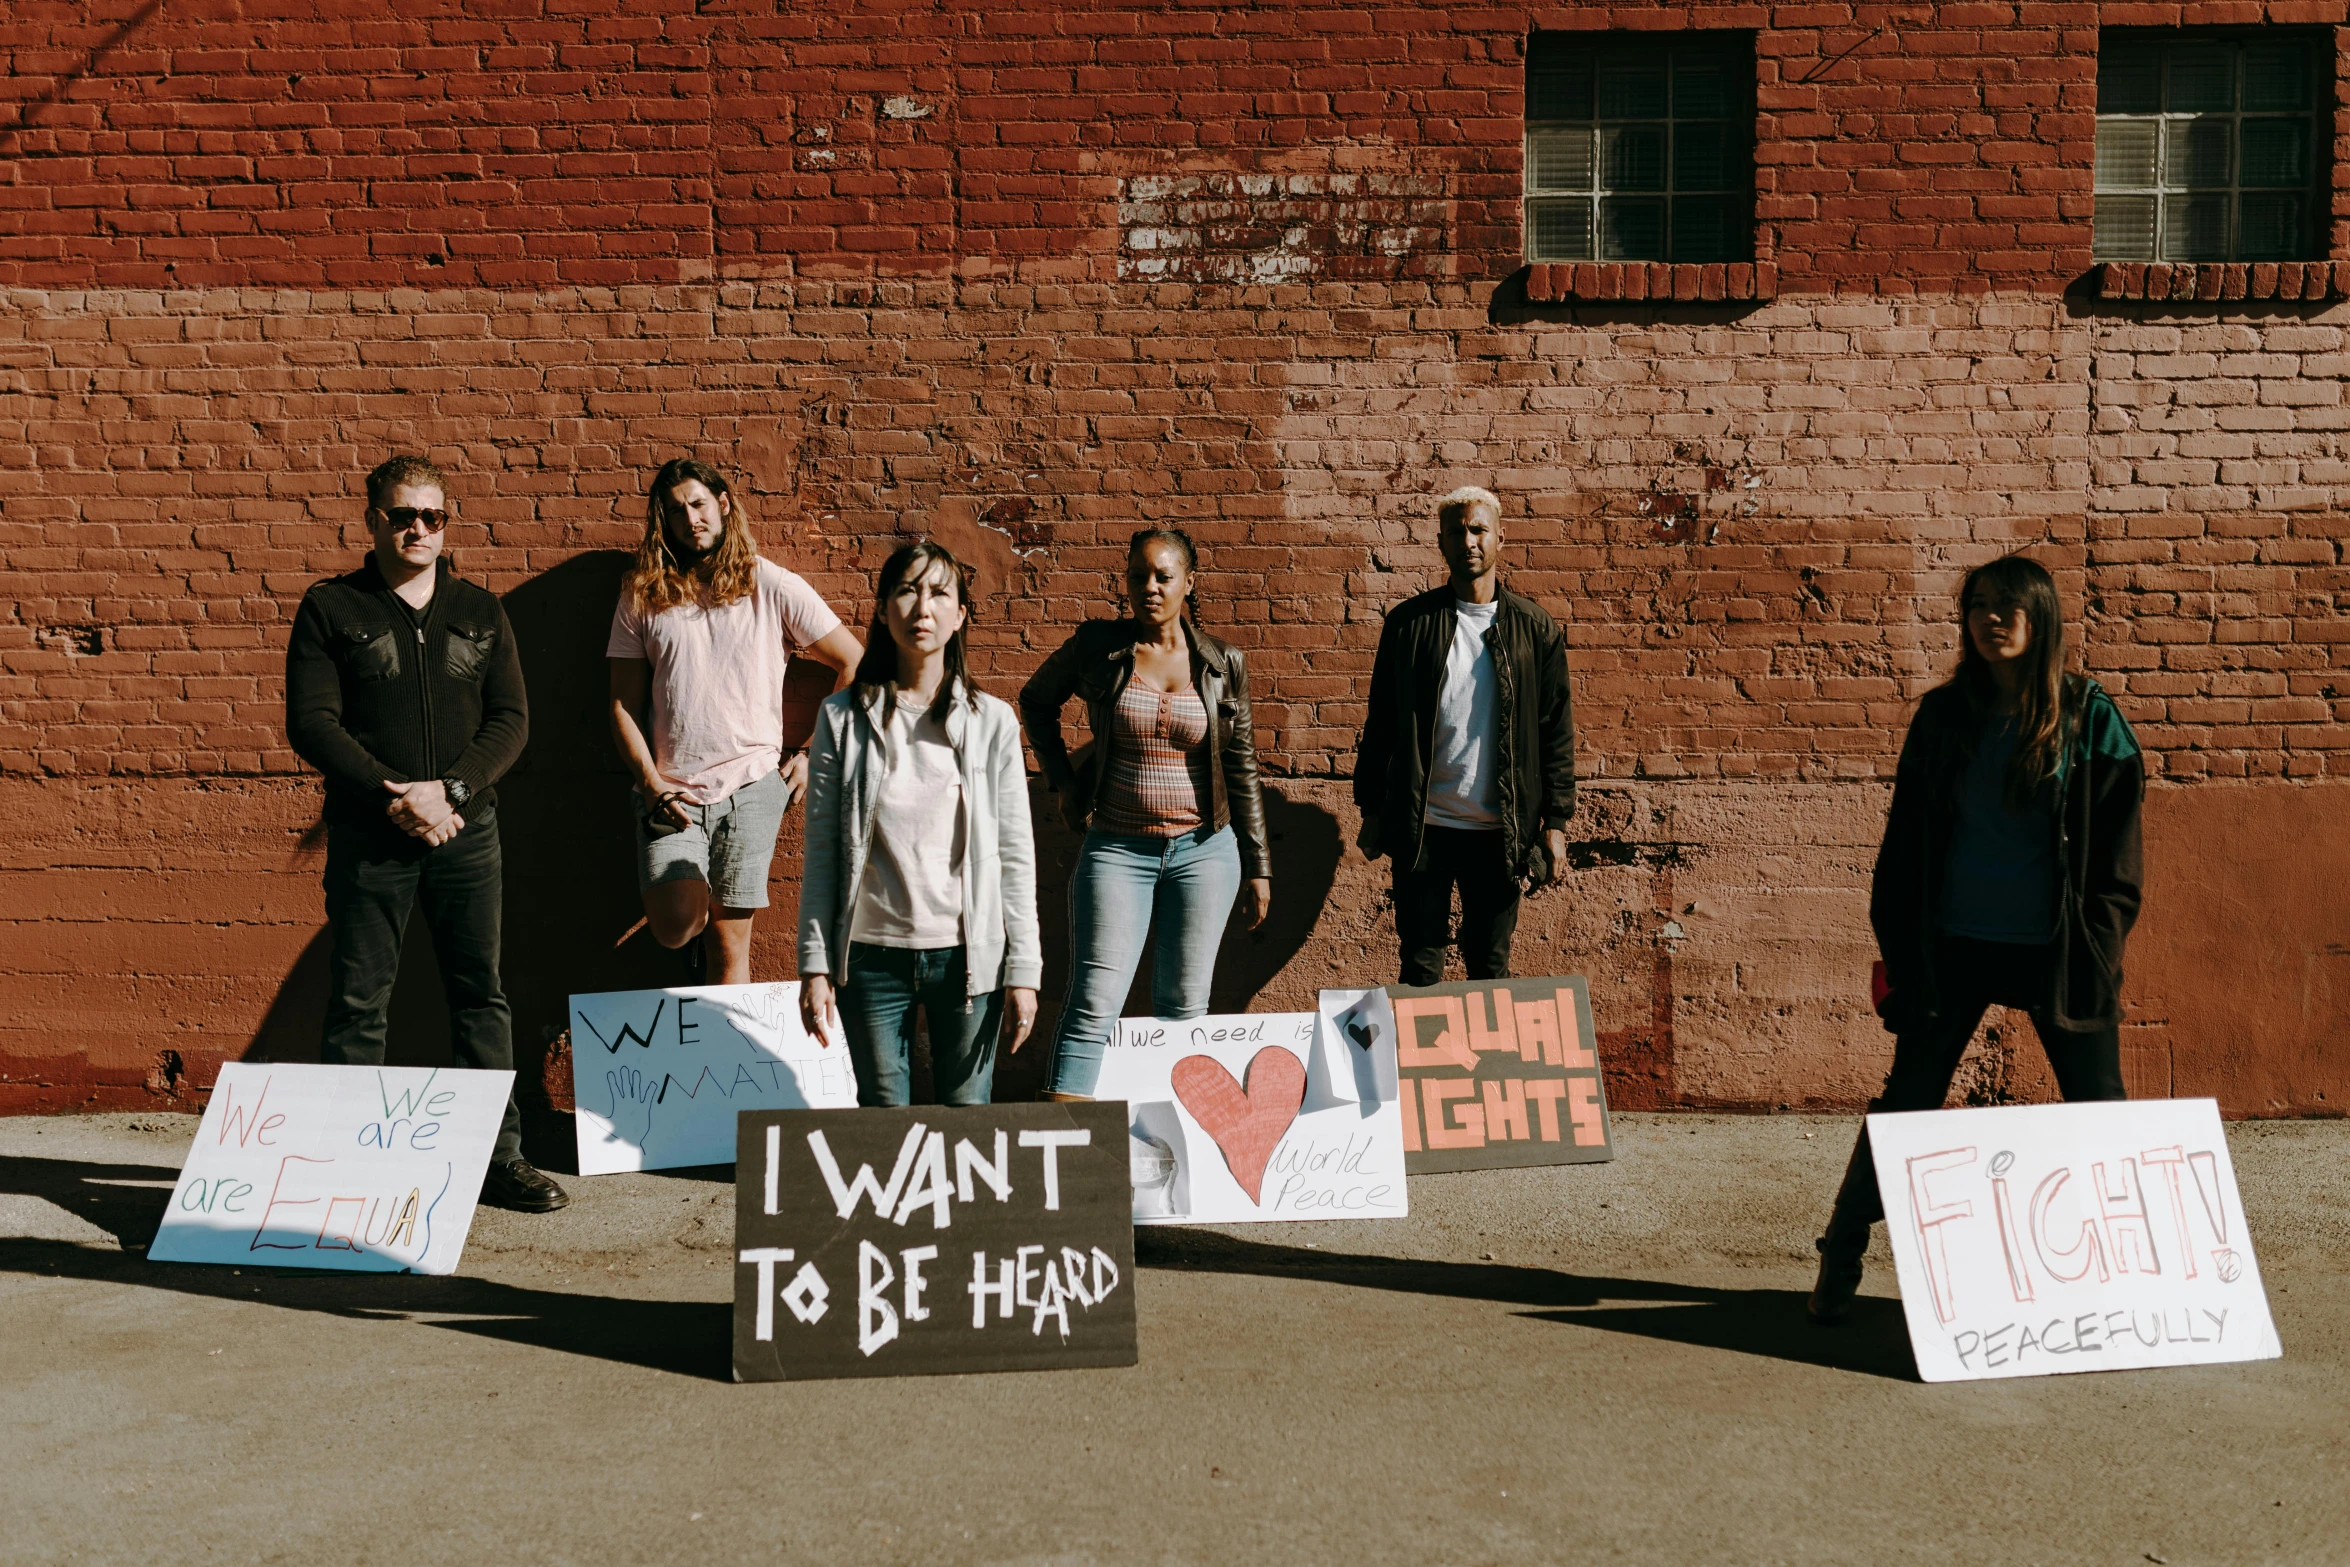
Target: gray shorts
x: 729, y: 845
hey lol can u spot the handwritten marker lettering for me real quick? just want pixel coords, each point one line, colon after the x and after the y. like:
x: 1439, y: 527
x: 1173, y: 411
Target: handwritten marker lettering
x: 341, y: 1167
x: 2090, y: 1238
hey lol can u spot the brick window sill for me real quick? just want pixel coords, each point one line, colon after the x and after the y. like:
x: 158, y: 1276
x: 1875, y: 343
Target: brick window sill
x: 1555, y: 282
x: 2223, y: 280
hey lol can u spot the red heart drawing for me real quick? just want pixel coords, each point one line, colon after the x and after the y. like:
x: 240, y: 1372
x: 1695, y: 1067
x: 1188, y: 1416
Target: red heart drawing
x: 1246, y: 1123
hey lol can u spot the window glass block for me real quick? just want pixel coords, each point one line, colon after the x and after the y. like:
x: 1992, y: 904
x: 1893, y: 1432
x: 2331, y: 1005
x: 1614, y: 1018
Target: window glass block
x: 2269, y: 227
x: 1634, y: 121
x: 1560, y: 158
x: 2125, y: 152
x: 2195, y: 153
x: 2276, y: 76
x: 1703, y: 87
x: 1710, y: 228
x: 2228, y: 160
x: 1632, y: 87
x: 1561, y: 230
x: 2125, y: 228
x: 2129, y: 78
x: 1559, y: 89
x: 1701, y: 157
x: 1632, y: 228
x: 2202, y: 81
x: 2195, y: 228
x: 1632, y: 157
x: 2275, y: 152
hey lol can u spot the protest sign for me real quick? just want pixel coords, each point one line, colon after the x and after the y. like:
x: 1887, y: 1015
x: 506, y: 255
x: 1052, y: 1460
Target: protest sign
x: 998, y: 1241
x: 1249, y: 1116
x: 657, y: 1076
x: 374, y: 1168
x: 1495, y: 1073
x: 2033, y: 1239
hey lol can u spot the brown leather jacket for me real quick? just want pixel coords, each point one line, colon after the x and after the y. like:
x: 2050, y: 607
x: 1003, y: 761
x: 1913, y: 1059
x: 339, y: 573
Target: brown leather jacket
x: 1095, y: 664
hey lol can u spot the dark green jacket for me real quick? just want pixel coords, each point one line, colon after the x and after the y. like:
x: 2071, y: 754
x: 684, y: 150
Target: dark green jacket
x: 373, y: 696
x: 2101, y: 783
x: 1532, y: 712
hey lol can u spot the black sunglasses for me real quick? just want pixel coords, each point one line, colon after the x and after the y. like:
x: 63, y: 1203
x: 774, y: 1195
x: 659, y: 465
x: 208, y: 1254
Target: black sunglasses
x: 431, y: 518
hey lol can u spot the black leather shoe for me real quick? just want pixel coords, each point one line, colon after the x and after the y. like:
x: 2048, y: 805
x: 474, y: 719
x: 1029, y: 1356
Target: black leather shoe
x: 516, y: 1184
x: 1839, y: 1280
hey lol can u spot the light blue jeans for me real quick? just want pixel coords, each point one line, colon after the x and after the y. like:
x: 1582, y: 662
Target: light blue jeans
x: 1124, y: 887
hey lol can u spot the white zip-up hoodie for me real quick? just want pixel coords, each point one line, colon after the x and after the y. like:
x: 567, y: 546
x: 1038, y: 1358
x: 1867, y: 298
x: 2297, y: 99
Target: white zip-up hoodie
x: 846, y: 760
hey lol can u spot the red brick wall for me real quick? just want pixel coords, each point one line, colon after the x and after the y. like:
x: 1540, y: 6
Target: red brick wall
x: 1028, y: 278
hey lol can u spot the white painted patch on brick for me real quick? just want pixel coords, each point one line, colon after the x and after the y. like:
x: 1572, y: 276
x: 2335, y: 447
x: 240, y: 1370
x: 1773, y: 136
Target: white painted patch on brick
x: 903, y: 108
x: 1272, y: 228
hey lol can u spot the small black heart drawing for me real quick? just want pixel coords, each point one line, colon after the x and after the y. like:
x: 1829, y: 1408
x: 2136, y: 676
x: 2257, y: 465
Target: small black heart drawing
x: 1362, y: 1033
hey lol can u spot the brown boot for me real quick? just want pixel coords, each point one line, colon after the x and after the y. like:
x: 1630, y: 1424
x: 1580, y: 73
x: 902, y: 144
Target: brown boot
x: 1840, y: 1267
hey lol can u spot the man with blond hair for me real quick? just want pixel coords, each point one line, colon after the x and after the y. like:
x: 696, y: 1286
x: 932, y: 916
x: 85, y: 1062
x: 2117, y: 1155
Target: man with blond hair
x: 1465, y: 773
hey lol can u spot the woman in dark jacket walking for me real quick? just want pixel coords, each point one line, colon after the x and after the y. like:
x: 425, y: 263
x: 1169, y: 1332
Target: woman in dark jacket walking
x: 2010, y: 875
x: 1167, y: 799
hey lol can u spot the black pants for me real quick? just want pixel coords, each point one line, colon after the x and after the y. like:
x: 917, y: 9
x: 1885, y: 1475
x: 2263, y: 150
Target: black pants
x: 374, y: 876
x: 1489, y: 905
x: 1974, y: 976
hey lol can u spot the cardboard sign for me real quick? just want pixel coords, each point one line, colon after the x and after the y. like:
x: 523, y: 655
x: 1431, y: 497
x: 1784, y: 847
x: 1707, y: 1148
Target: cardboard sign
x: 1248, y: 1117
x: 658, y: 1076
x: 883, y: 1243
x: 1496, y: 1074
x: 374, y: 1168
x: 2033, y: 1239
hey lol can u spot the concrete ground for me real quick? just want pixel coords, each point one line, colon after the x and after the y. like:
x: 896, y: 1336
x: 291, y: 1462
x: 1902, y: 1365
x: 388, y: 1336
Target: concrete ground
x: 1602, y: 1363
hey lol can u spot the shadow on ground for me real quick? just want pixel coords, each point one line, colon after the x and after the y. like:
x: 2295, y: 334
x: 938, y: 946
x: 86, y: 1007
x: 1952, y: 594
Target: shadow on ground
x: 1771, y: 1323
x: 689, y: 1338
x: 692, y: 1338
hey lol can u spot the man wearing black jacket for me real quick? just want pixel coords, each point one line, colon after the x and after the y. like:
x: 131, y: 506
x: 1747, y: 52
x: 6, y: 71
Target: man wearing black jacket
x: 1465, y: 773
x: 404, y: 688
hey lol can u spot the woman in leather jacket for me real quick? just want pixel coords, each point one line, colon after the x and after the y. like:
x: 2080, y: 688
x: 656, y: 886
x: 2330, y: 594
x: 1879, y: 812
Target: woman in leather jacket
x: 2010, y: 875
x: 1166, y: 795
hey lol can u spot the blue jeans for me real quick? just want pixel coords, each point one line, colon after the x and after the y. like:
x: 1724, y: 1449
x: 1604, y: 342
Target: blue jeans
x: 1123, y: 888
x: 877, y: 1005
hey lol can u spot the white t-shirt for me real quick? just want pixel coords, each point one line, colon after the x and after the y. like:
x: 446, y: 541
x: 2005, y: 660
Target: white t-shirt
x: 718, y: 679
x: 911, y: 894
x: 1464, y: 788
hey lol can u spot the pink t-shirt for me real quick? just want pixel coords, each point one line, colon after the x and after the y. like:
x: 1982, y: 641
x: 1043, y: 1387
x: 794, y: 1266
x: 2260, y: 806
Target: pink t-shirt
x: 718, y: 679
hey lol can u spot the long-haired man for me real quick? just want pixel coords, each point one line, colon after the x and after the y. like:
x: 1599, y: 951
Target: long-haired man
x: 701, y: 637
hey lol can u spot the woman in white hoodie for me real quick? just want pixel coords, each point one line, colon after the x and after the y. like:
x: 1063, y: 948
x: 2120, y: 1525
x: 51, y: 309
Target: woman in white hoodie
x: 919, y: 888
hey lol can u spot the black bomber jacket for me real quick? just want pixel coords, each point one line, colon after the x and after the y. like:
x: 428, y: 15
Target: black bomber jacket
x: 375, y: 694
x: 1534, y: 723
x: 2099, y: 843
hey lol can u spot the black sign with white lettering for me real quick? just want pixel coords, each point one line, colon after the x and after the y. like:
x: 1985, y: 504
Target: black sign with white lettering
x: 884, y: 1243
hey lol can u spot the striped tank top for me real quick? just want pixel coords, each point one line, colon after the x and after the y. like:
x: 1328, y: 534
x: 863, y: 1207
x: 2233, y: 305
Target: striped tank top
x: 1158, y: 784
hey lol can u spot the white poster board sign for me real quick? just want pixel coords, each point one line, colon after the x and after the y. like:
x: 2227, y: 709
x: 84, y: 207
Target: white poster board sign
x: 373, y: 1168
x: 2033, y: 1239
x: 1245, y: 1117
x: 657, y: 1075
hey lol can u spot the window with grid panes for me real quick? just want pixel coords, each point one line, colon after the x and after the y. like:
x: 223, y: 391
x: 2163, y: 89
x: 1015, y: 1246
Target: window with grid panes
x: 2213, y: 147
x: 1639, y: 149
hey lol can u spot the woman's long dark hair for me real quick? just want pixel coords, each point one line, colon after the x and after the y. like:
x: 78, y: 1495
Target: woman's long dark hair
x: 2040, y: 715
x: 1182, y: 541
x: 877, y: 671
